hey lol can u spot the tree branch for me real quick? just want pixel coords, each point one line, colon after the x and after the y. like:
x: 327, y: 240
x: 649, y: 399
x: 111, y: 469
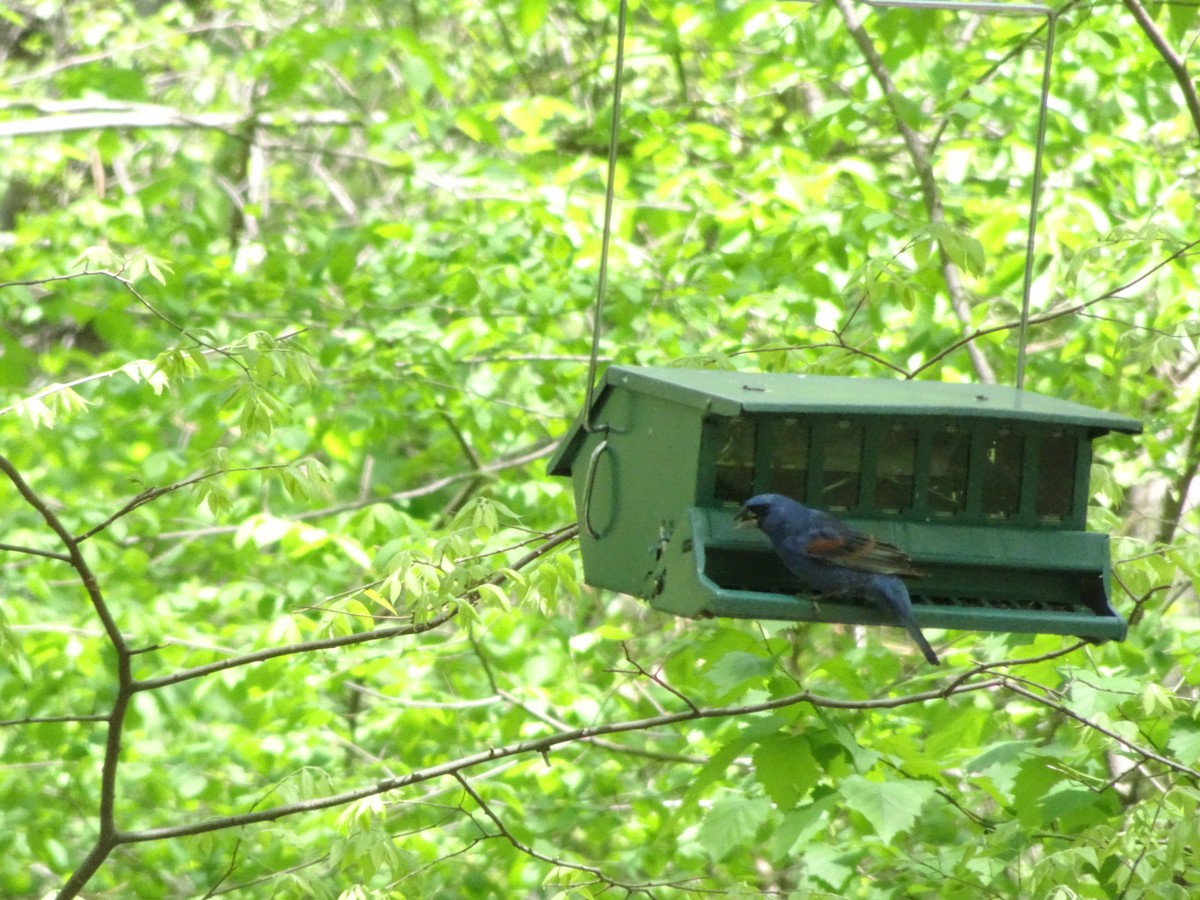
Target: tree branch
x: 30, y: 551
x: 347, y: 640
x: 1107, y: 732
x: 631, y: 887
x: 94, y: 116
x: 151, y: 494
x: 1175, y: 498
x: 73, y: 555
x: 919, y: 156
x: 540, y: 746
x: 552, y: 721
x: 51, y: 720
x: 106, y: 837
x: 1176, y: 63
x: 137, y: 295
x: 1009, y: 663
x: 522, y: 458
x: 1052, y: 314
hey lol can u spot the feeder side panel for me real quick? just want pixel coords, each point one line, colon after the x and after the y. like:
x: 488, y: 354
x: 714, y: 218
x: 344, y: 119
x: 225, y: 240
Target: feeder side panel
x: 643, y: 479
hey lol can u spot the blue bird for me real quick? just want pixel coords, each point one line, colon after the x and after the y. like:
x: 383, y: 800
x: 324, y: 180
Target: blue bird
x: 831, y: 557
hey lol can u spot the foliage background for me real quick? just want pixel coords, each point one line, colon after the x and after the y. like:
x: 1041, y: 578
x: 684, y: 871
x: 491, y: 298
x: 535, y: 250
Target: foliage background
x: 296, y: 302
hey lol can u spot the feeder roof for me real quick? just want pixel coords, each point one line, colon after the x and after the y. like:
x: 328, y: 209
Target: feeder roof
x: 726, y: 393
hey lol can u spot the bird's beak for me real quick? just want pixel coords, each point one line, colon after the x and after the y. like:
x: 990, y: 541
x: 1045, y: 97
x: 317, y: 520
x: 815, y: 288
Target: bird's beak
x: 745, y: 519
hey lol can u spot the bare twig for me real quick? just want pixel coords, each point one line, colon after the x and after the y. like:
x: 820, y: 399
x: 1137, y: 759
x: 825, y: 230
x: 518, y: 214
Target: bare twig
x: 1176, y: 63
x: 106, y: 837
x: 919, y: 156
x: 521, y: 458
x: 554, y: 722
x: 595, y: 871
x: 147, y: 115
x: 86, y: 59
x: 613, y: 746
x: 137, y: 295
x: 346, y: 640
x: 1107, y: 732
x: 839, y: 344
x: 31, y: 551
x: 51, y: 720
x: 1009, y: 663
x: 151, y: 494
x: 1049, y: 316
x: 539, y: 746
x: 73, y: 554
x: 656, y: 679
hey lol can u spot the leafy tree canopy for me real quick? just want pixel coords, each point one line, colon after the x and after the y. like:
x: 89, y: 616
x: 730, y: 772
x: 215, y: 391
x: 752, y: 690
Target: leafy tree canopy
x: 296, y: 303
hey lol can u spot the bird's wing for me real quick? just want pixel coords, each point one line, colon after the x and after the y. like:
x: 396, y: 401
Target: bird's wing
x: 840, y: 545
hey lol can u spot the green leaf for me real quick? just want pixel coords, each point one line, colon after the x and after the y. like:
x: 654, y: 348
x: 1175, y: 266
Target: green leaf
x: 1001, y: 754
x: 785, y: 767
x: 1035, y: 780
x: 530, y: 15
x: 889, y: 806
x: 1185, y: 744
x: 739, y: 669
x: 612, y: 633
x: 732, y: 824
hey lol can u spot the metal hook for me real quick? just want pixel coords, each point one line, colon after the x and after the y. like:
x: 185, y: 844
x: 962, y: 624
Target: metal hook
x: 589, y: 482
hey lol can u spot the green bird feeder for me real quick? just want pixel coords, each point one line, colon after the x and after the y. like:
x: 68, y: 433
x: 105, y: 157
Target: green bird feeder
x: 984, y: 486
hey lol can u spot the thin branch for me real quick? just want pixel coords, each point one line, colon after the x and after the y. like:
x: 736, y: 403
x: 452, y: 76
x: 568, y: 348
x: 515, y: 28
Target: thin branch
x: 30, y: 551
x: 233, y: 858
x: 838, y: 344
x: 347, y: 640
x: 919, y: 156
x: 106, y: 837
x: 137, y: 295
x: 74, y: 556
x: 1009, y: 663
x: 95, y: 376
x: 151, y: 494
x: 656, y: 679
x: 472, y: 484
x: 988, y: 74
x: 47, y: 720
x: 1175, y: 498
x: 1107, y: 732
x: 86, y: 59
x: 540, y: 746
x: 554, y: 722
x: 1176, y: 63
x: 148, y: 115
x: 595, y: 871
x: 120, y: 279
x: 1053, y: 314
x: 612, y: 746
x: 55, y: 388
x: 423, y: 704
x: 511, y: 462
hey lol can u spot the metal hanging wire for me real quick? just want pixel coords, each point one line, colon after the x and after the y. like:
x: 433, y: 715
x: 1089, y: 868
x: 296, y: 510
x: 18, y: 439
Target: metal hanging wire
x: 614, y: 134
x: 1039, y: 144
x: 989, y: 7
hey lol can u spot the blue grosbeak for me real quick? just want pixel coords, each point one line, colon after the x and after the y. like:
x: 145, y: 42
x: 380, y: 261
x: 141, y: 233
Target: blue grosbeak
x: 831, y: 557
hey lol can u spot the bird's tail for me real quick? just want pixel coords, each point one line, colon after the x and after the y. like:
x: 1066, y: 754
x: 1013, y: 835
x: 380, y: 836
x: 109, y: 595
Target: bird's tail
x: 911, y: 626
x: 896, y: 595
